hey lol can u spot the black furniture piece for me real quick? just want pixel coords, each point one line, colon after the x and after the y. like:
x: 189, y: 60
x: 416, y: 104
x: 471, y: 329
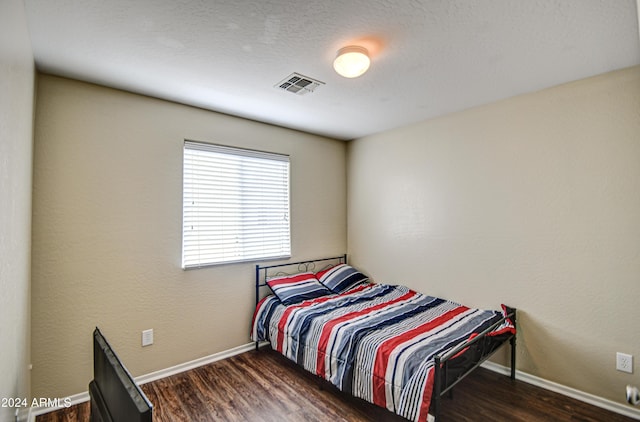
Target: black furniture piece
x: 115, y: 397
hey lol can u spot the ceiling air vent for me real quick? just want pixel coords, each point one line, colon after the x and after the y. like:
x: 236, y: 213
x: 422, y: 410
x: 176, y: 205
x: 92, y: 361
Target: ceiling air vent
x: 298, y: 84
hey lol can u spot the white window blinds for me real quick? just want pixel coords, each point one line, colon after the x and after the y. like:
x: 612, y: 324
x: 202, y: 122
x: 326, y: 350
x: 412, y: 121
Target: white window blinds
x: 235, y: 205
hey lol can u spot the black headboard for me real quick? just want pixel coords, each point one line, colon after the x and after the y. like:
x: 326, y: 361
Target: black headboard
x: 114, y: 394
x: 262, y: 271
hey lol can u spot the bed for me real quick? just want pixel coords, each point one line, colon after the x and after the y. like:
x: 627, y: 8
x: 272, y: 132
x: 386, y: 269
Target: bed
x: 386, y: 344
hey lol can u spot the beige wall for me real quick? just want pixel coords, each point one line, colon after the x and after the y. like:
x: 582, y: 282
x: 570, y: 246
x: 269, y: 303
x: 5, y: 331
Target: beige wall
x: 16, y: 146
x: 107, y: 230
x: 533, y: 201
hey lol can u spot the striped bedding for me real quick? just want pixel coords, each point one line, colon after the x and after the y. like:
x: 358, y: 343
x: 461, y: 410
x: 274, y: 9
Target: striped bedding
x: 376, y: 341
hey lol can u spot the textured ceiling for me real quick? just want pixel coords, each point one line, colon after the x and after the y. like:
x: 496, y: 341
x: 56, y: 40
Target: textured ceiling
x: 429, y: 57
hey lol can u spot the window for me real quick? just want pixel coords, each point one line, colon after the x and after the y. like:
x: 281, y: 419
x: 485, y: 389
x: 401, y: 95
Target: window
x: 235, y: 205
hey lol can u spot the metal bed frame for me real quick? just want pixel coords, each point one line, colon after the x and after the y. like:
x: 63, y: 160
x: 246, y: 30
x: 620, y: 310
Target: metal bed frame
x: 449, y: 368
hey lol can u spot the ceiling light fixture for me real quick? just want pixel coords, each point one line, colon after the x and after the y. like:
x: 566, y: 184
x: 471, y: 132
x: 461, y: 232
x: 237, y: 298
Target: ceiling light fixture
x: 352, y: 61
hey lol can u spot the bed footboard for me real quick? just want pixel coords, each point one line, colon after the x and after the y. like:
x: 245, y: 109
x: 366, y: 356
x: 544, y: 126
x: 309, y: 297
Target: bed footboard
x: 476, y: 350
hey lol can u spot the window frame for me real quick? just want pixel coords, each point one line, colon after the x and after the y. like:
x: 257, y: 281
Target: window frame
x: 245, y: 161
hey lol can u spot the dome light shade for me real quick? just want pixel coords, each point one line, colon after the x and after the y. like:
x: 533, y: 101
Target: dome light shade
x: 352, y: 61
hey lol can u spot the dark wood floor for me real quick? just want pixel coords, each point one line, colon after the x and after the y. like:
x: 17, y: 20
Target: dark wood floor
x: 264, y: 386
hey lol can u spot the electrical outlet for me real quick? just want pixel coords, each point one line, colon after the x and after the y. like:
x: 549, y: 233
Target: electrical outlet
x: 624, y: 362
x: 147, y: 337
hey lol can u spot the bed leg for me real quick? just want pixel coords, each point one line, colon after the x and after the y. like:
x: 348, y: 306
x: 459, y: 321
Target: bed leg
x: 513, y: 357
x: 512, y: 341
x: 437, y: 380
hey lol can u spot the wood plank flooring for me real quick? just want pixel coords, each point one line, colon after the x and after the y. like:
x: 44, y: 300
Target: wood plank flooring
x: 264, y: 386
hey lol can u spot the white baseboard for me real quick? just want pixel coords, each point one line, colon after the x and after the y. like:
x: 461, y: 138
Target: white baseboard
x: 622, y: 409
x: 626, y: 410
x: 163, y: 373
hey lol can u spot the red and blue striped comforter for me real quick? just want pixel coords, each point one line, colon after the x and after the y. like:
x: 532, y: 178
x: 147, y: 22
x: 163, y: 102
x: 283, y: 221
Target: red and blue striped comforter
x: 376, y: 341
